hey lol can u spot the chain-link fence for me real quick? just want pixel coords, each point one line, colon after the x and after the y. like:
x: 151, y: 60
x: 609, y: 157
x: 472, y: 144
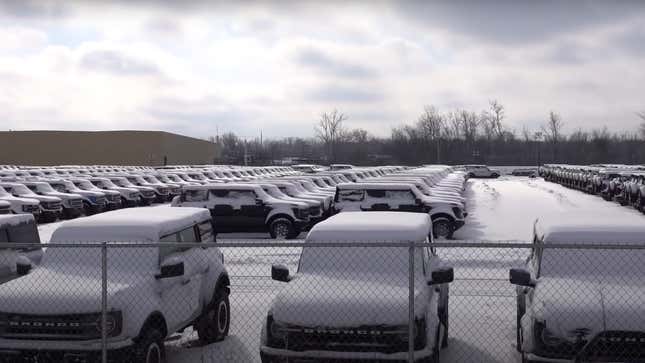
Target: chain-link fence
x: 242, y: 301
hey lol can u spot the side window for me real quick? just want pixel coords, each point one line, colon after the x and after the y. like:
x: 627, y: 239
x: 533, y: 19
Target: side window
x: 374, y: 193
x: 4, y: 236
x: 165, y: 251
x: 400, y: 196
x: 351, y: 195
x: 198, y: 195
x: 242, y: 197
x: 188, y: 235
x: 219, y: 193
x: 206, y: 231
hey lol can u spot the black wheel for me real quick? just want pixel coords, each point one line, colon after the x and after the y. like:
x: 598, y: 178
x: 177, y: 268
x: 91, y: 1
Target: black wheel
x: 471, y: 175
x: 214, y: 324
x: 150, y: 349
x: 281, y: 229
x: 495, y: 175
x: 442, y: 228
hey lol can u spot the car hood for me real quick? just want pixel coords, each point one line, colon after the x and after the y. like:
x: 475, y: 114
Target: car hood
x: 317, y: 300
x: 42, y: 198
x: 19, y: 200
x: 64, y: 195
x: 65, y: 291
x: 566, y: 305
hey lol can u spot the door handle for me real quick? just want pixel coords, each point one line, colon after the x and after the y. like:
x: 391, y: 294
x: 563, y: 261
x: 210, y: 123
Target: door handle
x: 185, y: 281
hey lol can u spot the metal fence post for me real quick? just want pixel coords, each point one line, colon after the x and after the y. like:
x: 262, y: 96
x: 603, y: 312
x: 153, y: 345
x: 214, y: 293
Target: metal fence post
x: 104, y: 302
x: 411, y: 304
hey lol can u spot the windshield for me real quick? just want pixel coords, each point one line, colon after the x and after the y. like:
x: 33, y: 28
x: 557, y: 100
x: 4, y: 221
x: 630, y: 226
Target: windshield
x: 20, y: 189
x: 59, y: 187
x: 46, y: 188
x: 107, y: 183
x: 85, y: 185
x: 598, y: 263
x: 389, y: 261
x: 122, y: 182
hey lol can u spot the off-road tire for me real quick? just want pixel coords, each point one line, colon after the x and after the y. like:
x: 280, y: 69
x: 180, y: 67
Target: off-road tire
x: 215, y: 322
x: 282, y: 228
x: 150, y: 348
x: 442, y: 228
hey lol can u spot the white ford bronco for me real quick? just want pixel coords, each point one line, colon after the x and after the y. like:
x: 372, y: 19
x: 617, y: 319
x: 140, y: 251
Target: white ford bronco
x: 53, y: 313
x: 582, y: 305
x: 352, y: 303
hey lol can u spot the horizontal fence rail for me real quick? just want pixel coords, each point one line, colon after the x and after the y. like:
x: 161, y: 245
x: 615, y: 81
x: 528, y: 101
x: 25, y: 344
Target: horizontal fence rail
x: 268, y: 301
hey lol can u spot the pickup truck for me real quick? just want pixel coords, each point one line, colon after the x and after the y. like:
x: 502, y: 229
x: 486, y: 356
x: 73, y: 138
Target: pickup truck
x: 53, y: 312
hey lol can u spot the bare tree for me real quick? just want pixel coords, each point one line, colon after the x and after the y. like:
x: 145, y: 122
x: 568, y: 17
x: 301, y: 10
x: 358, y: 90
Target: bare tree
x: 526, y: 134
x: 642, y: 125
x: 469, y: 123
x: 496, y: 117
x: 330, y: 131
x: 553, y: 131
x: 431, y: 123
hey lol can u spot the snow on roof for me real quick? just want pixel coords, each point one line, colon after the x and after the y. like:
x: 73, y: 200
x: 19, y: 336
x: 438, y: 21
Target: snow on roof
x: 618, y: 233
x: 379, y: 185
x: 130, y: 225
x: 372, y: 227
x: 15, y: 219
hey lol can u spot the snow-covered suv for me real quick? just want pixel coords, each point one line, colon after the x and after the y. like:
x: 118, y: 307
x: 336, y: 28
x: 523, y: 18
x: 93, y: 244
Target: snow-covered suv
x: 20, y: 205
x: 247, y: 208
x: 582, y: 305
x: 481, y: 171
x: 352, y: 303
x: 72, y: 203
x: 447, y: 216
x: 54, y: 311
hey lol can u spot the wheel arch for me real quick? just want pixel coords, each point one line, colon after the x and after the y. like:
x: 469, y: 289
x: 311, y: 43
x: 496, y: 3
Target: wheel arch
x: 157, y: 320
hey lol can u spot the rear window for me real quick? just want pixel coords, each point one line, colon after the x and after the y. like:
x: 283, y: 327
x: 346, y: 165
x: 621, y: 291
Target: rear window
x: 195, y: 195
x: 351, y: 195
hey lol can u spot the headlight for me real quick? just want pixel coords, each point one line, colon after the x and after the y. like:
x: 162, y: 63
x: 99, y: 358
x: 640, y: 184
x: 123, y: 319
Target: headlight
x: 92, y: 199
x: 27, y: 208
x: 113, y: 323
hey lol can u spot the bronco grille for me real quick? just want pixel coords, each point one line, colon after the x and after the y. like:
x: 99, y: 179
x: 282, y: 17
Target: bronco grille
x: 76, y: 203
x: 615, y: 346
x: 114, y: 198
x: 101, y: 200
x: 75, y: 327
x: 52, y: 205
x: 315, y: 211
x: 148, y: 193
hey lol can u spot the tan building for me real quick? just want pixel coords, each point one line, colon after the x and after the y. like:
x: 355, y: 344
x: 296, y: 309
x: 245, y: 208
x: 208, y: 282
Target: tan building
x: 103, y: 148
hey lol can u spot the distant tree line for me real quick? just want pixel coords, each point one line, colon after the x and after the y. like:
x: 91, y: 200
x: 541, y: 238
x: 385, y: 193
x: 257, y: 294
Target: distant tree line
x: 456, y: 137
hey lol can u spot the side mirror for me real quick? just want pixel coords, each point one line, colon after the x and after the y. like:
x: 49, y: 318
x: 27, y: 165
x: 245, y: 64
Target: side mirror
x: 23, y: 265
x: 521, y: 277
x: 259, y: 202
x: 280, y: 273
x: 174, y: 269
x: 442, y: 276
x: 417, y: 201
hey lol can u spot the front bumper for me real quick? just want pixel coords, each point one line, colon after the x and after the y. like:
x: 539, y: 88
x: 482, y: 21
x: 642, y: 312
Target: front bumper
x: 47, y: 215
x: 13, y: 350
x: 275, y: 355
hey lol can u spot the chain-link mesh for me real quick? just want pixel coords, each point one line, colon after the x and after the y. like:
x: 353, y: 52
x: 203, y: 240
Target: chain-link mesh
x: 301, y: 302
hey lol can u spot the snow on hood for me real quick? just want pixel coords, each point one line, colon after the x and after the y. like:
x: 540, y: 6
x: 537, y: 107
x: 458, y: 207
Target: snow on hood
x: 60, y: 291
x: 566, y: 305
x: 317, y: 300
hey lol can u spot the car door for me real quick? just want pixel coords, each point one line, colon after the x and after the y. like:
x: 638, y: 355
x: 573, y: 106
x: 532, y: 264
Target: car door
x: 404, y: 201
x: 222, y: 211
x: 253, y: 209
x: 177, y: 299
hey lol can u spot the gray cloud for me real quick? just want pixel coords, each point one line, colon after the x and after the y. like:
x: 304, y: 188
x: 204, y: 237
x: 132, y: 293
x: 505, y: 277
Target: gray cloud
x: 117, y: 63
x: 324, y: 63
x: 515, y: 22
x: 33, y: 8
x: 344, y: 94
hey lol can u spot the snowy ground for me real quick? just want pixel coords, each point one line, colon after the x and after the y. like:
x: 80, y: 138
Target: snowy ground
x: 482, y: 302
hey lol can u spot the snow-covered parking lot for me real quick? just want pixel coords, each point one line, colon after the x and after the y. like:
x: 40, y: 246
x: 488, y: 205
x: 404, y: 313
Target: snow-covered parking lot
x: 482, y: 302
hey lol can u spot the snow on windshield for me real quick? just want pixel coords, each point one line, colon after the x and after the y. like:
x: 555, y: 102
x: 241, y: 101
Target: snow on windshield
x: 59, y: 187
x: 20, y: 189
x: 592, y: 262
x: 390, y: 261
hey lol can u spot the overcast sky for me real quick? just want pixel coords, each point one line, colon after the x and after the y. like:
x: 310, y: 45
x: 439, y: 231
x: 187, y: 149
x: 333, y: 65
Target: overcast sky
x: 195, y: 68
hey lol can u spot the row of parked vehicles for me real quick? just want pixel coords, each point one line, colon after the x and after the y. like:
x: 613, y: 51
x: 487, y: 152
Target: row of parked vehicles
x: 624, y: 184
x: 342, y: 303
x: 277, y: 200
